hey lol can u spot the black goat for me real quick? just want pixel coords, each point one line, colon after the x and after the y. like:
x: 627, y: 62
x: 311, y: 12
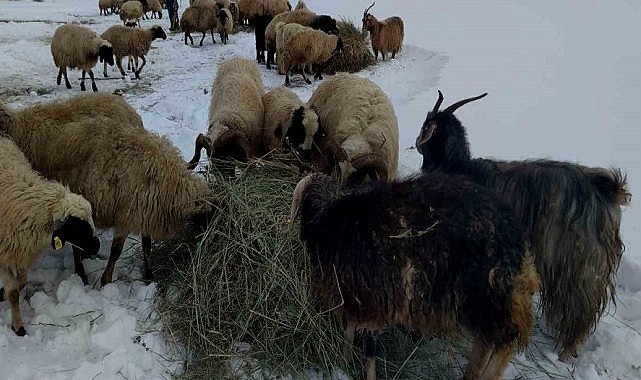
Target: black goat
x: 261, y: 23
x: 571, y: 216
x: 436, y: 253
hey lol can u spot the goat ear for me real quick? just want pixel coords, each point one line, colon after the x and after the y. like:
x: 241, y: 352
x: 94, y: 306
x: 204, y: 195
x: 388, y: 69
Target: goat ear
x: 425, y: 135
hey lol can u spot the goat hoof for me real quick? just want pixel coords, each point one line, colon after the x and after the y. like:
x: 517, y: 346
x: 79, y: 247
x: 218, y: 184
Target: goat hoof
x: 19, y: 332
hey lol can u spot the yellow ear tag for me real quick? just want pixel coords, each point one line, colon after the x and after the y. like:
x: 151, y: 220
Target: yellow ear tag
x: 57, y: 243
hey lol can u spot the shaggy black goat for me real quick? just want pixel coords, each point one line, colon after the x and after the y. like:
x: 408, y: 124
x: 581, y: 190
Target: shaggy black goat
x: 436, y: 253
x: 571, y: 216
x: 261, y: 23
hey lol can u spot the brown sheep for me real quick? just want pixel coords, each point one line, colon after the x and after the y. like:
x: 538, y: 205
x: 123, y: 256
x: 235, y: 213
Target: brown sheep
x: 224, y: 24
x: 387, y: 35
x: 131, y: 42
x: 198, y: 19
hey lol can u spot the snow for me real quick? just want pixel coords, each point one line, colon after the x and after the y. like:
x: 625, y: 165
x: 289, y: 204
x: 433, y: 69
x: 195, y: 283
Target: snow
x: 563, y: 80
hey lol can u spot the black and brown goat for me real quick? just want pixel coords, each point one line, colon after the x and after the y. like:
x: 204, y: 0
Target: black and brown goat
x: 571, y: 216
x: 436, y: 253
x: 386, y: 36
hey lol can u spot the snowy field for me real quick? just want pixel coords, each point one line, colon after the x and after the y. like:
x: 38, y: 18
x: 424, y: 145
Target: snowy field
x: 564, y: 82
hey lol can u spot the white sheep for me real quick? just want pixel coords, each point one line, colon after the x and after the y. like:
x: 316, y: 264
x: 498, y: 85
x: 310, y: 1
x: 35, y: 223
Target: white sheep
x: 224, y: 24
x: 136, y: 181
x: 235, y: 114
x: 75, y: 46
x: 288, y: 121
x: 131, y: 10
x: 359, y: 136
x: 35, y: 213
x: 131, y: 42
x: 300, y: 45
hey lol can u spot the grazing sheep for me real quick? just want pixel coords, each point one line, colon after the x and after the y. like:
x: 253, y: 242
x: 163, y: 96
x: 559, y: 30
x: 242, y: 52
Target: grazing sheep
x: 359, y: 136
x: 260, y: 25
x: 155, y: 8
x: 75, y: 46
x: 198, y: 19
x: 300, y: 45
x: 135, y: 180
x: 302, y: 16
x: 571, y: 215
x: 288, y: 121
x: 131, y: 10
x: 105, y: 6
x: 387, y: 35
x: 233, y: 8
x: 34, y: 213
x: 235, y: 114
x: 131, y: 42
x: 224, y: 24
x: 436, y: 253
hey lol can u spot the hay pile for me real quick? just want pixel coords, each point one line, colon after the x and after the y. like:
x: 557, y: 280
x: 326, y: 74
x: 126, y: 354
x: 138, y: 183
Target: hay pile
x: 356, y: 56
x: 236, y: 296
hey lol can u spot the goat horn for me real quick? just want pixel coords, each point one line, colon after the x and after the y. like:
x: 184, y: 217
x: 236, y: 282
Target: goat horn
x: 461, y: 103
x: 438, y: 102
x: 370, y: 7
x: 201, y: 142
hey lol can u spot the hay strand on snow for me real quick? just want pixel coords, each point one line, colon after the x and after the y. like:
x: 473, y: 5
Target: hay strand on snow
x: 356, y: 55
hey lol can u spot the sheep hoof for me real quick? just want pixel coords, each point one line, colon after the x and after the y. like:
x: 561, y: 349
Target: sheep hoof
x: 94, y: 87
x: 19, y: 332
x: 68, y: 86
x: 82, y: 87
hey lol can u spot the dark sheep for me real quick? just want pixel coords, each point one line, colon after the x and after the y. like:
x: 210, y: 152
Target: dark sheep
x: 437, y: 253
x: 261, y: 23
x: 571, y: 216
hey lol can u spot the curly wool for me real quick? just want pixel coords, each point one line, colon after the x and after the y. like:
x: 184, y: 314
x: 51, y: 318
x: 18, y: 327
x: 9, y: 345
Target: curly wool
x: 131, y: 10
x: 358, y: 124
x: 199, y: 19
x: 280, y: 105
x: 301, y: 45
x: 75, y: 46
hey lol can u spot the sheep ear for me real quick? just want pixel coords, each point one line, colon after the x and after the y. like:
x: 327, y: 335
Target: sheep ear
x: 425, y: 135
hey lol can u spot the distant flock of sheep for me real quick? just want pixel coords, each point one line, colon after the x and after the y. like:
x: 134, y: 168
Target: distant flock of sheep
x: 460, y: 247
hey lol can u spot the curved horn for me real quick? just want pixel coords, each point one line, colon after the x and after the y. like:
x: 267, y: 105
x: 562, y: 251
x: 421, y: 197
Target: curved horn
x: 201, y: 142
x: 461, y: 103
x: 370, y: 7
x: 438, y: 102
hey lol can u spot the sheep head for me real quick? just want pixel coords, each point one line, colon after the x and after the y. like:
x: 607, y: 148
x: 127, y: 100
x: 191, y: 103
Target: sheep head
x: 301, y: 129
x: 106, y: 53
x: 442, y: 136
x: 368, y: 19
x: 72, y: 223
x: 158, y: 32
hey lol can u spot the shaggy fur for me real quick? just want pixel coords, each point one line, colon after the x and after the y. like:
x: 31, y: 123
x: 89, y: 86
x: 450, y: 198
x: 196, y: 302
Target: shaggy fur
x: 34, y: 211
x: 438, y: 254
x: 248, y: 9
x: 131, y: 42
x: 155, y: 8
x: 387, y: 35
x: 301, y: 45
x: 302, y: 16
x: 206, y: 3
x: 358, y: 129
x: 131, y: 10
x: 75, y: 46
x: 571, y: 215
x: 235, y: 113
x: 224, y: 24
x: 198, y: 19
x: 274, y: 7
x: 136, y: 181
x: 233, y: 8
x: 105, y: 6
x: 288, y: 121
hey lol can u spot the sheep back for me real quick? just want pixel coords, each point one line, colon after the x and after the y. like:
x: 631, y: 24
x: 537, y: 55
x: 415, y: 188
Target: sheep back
x: 301, y: 16
x: 127, y: 41
x: 131, y: 10
x: 280, y: 104
x: 274, y: 7
x: 75, y: 46
x: 198, y: 19
x: 359, y: 124
x: 301, y: 45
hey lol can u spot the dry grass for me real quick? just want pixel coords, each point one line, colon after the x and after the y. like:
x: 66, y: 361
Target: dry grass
x: 356, y: 55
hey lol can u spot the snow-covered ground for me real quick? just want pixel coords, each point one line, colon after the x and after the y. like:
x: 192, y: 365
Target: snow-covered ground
x: 564, y: 81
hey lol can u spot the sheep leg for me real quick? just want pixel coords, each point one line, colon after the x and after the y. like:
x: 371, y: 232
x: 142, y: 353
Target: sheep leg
x: 116, y: 249
x: 213, y: 40
x: 59, y: 79
x: 119, y: 64
x: 481, y: 353
x: 305, y: 76
x: 139, y: 69
x: 393, y: 54
x: 146, y: 252
x: 319, y: 75
x: 371, y: 346
x: 82, y: 82
x: 93, y: 81
x: 498, y: 362
x: 287, y: 84
x: 104, y: 70
x: 12, y: 291
x: 375, y: 55
x: 78, y: 266
x: 64, y: 72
